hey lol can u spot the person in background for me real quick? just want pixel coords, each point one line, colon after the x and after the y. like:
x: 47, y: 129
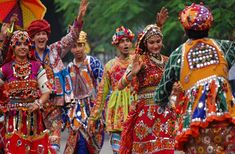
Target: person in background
x: 119, y: 101
x: 201, y: 64
x: 50, y: 58
x: 86, y: 73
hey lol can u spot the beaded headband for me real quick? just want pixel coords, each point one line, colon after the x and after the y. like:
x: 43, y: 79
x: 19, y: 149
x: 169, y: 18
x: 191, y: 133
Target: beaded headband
x: 148, y: 31
x: 151, y: 32
x: 20, y: 35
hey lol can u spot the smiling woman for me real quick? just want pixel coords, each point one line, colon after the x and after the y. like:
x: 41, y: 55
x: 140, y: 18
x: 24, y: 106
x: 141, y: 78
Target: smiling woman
x: 28, y: 90
x: 147, y: 125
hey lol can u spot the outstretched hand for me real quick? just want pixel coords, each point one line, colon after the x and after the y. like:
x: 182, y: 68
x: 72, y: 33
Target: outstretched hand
x: 177, y: 88
x: 14, y: 18
x: 7, y: 28
x: 137, y: 64
x: 82, y: 10
x: 161, y: 17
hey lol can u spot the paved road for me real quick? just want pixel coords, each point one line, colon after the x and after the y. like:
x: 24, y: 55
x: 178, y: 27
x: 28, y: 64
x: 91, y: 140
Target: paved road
x: 106, y: 149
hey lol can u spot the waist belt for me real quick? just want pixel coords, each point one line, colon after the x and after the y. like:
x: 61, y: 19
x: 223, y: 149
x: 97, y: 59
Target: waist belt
x: 146, y: 96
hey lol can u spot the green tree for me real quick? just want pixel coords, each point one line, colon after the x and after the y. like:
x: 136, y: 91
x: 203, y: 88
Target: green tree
x: 104, y: 16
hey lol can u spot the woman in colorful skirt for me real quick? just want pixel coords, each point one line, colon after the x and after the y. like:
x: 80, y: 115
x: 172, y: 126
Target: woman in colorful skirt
x: 201, y: 64
x: 149, y: 128
x: 86, y: 73
x: 28, y: 89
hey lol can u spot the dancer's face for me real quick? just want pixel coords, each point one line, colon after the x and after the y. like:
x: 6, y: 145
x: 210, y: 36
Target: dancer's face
x: 124, y: 46
x: 40, y: 39
x: 21, y: 49
x: 78, y: 50
x: 154, y: 44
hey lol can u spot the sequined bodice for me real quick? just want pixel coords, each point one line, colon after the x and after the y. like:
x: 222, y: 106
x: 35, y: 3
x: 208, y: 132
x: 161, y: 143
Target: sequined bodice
x: 151, y: 74
x: 22, y: 87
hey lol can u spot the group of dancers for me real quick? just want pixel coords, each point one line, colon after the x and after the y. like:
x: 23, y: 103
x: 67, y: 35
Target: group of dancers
x: 147, y: 102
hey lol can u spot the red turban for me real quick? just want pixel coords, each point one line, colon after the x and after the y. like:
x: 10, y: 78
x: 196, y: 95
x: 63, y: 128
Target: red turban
x: 38, y: 26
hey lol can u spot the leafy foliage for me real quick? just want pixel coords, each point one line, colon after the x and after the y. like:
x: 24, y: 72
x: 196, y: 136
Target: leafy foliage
x: 104, y: 16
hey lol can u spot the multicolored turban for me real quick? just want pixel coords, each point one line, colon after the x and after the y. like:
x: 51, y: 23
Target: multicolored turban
x: 149, y: 31
x: 196, y: 17
x: 38, y: 26
x: 120, y: 33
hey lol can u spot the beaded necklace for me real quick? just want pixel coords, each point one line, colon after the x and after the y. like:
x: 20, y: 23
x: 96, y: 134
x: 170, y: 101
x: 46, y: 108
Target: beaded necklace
x: 22, y: 70
x: 160, y: 63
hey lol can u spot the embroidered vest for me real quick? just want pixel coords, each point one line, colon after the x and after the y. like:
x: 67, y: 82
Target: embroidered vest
x: 201, y: 59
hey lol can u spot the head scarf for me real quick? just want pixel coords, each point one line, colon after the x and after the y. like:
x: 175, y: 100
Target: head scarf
x: 120, y: 33
x: 38, y: 26
x: 196, y: 17
x: 148, y: 32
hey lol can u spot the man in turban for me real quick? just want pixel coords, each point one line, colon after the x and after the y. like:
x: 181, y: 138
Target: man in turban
x: 207, y: 112
x: 50, y: 58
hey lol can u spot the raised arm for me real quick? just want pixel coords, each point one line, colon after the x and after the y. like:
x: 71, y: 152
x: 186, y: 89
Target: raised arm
x: 161, y: 17
x: 5, y: 35
x: 131, y: 71
x: 170, y: 76
x: 82, y: 11
x: 66, y: 43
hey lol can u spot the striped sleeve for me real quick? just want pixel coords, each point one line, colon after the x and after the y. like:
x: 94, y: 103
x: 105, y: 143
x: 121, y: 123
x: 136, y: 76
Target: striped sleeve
x: 170, y: 76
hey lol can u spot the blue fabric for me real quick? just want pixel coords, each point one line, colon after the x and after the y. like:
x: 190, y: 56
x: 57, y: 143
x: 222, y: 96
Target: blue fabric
x: 199, y: 112
x: 97, y: 68
x: 66, y: 75
x: 115, y: 142
x: 81, y: 145
x: 64, y: 117
x: 62, y: 83
x: 62, y: 75
x: 47, y: 51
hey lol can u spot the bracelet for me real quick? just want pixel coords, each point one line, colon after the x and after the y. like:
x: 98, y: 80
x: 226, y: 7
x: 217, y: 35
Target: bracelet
x: 38, y: 102
x: 129, y: 76
x: 124, y: 81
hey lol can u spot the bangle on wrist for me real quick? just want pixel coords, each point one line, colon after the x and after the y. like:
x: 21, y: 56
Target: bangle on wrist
x: 129, y: 76
x: 38, y: 102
